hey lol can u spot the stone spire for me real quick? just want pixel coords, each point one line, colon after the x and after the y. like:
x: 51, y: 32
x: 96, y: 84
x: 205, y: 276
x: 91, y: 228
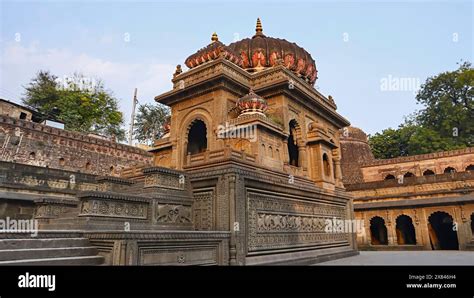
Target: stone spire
x: 214, y: 37
x: 259, y: 28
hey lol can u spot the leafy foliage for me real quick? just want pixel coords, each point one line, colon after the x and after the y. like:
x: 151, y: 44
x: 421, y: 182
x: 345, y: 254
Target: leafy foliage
x: 445, y: 123
x: 83, y: 105
x: 150, y: 120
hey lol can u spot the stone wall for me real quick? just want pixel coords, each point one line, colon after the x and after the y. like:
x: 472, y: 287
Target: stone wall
x: 39, y: 145
x: 355, y: 151
x: 419, y: 165
x: 14, y: 110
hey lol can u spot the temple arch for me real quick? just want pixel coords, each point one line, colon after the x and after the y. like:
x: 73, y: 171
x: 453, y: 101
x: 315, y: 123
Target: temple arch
x: 449, y: 170
x: 389, y: 177
x: 293, y: 152
x: 196, y: 137
x: 405, y: 230
x: 378, y: 231
x: 408, y: 174
x: 326, y: 165
x: 470, y: 168
x: 428, y: 172
x: 441, y: 231
x: 472, y: 224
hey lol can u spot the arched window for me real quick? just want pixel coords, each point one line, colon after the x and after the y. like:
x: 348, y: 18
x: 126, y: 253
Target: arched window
x: 62, y: 162
x: 472, y: 224
x: 428, y: 173
x: 32, y: 155
x: 111, y: 169
x: 405, y: 230
x: 197, y: 137
x: 470, y: 168
x: 88, y: 165
x: 378, y: 231
x: 270, y: 151
x: 450, y: 170
x: 389, y: 177
x: 292, y: 146
x: 408, y: 174
x: 326, y: 165
x: 441, y: 232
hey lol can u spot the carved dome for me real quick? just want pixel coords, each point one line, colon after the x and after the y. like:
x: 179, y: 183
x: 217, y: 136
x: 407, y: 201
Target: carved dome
x: 213, y: 51
x: 252, y: 104
x: 262, y: 51
x: 353, y: 133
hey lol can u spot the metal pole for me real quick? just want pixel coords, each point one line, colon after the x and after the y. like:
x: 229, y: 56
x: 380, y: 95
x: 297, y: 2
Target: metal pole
x: 130, y: 135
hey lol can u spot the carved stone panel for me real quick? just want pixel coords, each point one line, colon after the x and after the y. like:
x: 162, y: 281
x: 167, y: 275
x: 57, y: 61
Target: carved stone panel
x: 198, y: 255
x: 173, y: 214
x: 165, y: 181
x: 202, y: 210
x: 109, y: 208
x: 275, y: 222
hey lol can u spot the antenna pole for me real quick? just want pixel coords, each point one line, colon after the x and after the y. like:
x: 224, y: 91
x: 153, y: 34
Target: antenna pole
x: 130, y: 135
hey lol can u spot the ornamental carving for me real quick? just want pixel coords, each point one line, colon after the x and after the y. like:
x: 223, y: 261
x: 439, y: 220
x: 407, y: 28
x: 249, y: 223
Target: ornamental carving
x: 288, y: 223
x: 174, y: 214
x: 97, y: 207
x: 165, y: 181
x: 49, y: 211
x: 202, y: 210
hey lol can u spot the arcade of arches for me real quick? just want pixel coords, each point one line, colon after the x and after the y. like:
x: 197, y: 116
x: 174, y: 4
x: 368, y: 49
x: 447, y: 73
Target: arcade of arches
x: 422, y: 229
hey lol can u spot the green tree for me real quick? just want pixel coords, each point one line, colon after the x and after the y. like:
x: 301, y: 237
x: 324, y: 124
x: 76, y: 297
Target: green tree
x: 445, y: 123
x: 150, y: 120
x: 449, y: 105
x: 83, y: 105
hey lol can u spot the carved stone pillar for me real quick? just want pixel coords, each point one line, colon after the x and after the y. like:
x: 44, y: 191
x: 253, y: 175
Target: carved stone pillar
x: 337, y: 170
x: 286, y: 154
x: 302, y: 157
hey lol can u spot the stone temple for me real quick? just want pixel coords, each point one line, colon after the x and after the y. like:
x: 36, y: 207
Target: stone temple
x: 248, y: 173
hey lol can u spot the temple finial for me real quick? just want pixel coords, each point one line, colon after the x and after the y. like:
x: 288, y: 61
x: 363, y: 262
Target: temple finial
x: 214, y: 37
x: 259, y: 29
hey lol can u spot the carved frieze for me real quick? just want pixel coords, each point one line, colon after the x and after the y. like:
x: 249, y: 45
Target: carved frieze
x: 110, y: 208
x: 173, y: 214
x: 165, y: 181
x: 274, y: 222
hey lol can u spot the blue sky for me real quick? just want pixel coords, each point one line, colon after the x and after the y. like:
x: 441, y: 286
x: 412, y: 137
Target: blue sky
x: 356, y: 44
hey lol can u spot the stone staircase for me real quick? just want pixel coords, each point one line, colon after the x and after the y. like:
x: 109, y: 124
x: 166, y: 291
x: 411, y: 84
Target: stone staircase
x: 48, y: 251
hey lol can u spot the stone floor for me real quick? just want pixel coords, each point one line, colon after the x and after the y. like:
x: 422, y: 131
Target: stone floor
x: 407, y: 258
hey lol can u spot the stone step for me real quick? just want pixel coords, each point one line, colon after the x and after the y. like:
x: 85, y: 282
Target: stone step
x: 42, y: 243
x: 81, y: 260
x: 46, y: 253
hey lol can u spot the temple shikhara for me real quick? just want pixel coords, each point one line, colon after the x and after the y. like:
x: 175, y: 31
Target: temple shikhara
x: 254, y: 163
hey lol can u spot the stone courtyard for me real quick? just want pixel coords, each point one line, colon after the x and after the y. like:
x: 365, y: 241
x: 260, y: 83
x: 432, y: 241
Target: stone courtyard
x: 406, y: 258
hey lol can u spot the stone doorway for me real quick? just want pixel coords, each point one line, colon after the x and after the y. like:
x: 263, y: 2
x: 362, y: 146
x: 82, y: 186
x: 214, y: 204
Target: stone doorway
x: 292, y: 145
x: 472, y: 224
x: 378, y: 231
x: 441, y: 232
x: 405, y: 230
x: 197, y: 137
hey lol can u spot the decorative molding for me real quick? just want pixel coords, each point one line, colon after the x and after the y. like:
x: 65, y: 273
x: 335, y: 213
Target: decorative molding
x: 117, y: 209
x: 173, y: 214
x: 276, y: 223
